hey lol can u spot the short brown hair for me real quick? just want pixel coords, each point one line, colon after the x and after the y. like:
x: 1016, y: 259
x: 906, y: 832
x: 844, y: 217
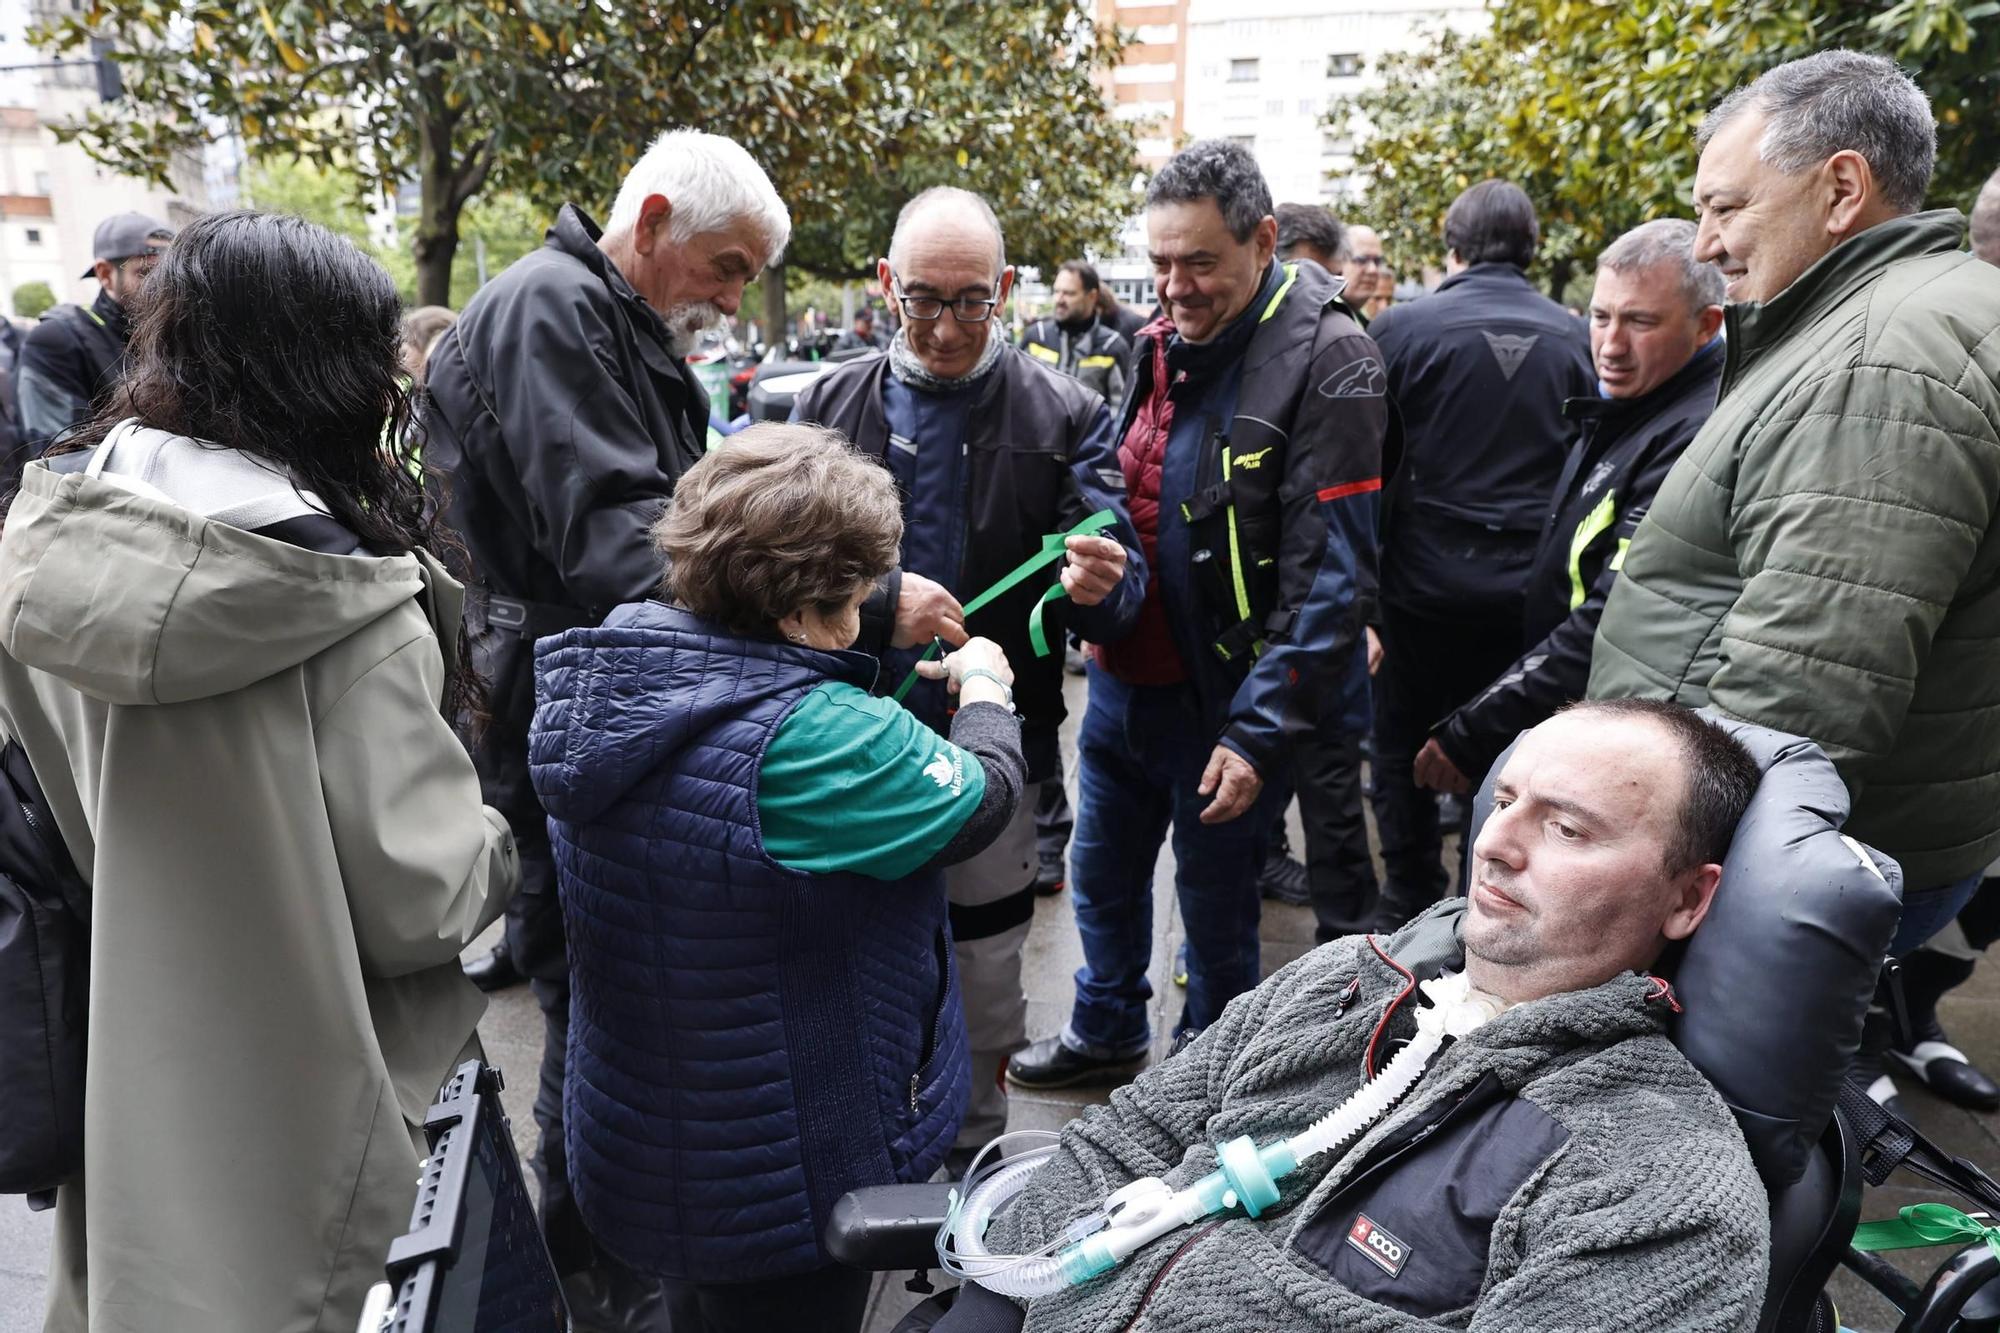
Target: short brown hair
x: 776, y: 519
x: 1722, y: 777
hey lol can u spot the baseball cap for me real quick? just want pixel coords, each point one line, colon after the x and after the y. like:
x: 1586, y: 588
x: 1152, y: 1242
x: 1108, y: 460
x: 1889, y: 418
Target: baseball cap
x: 124, y: 235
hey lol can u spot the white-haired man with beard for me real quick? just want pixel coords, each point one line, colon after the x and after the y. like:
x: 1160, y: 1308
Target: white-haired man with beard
x: 563, y: 411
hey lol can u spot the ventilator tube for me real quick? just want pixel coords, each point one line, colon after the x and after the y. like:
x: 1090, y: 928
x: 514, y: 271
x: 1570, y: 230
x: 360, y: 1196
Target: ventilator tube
x: 1246, y: 1176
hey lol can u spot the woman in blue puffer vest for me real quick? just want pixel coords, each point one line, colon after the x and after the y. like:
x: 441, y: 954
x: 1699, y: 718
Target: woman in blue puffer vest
x: 764, y: 1013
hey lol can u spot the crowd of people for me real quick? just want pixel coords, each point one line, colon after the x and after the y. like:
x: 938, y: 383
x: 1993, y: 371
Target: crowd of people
x: 331, y: 633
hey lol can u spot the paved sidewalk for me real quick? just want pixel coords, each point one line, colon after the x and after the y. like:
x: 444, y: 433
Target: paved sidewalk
x: 512, y: 1033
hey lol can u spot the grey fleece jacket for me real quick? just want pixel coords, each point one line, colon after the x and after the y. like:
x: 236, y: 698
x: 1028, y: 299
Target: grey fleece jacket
x: 1651, y: 1215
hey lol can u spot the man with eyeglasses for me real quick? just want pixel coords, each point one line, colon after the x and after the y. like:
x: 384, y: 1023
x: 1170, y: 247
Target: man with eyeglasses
x: 1370, y: 286
x: 76, y: 352
x: 992, y: 450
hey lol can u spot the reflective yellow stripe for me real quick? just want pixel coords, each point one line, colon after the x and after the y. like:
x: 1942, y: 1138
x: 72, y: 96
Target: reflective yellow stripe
x: 1048, y: 354
x: 1595, y: 524
x: 1618, y: 560
x: 1097, y: 362
x: 1291, y: 276
x: 1235, y: 550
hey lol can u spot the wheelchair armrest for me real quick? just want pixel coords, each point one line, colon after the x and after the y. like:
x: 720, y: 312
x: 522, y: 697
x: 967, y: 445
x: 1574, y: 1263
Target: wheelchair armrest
x: 887, y: 1227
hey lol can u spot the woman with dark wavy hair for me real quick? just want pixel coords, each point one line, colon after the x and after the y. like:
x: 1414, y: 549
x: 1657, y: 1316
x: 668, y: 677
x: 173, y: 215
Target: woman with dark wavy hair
x: 228, y: 654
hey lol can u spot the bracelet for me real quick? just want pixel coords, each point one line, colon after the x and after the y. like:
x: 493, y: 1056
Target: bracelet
x: 994, y: 676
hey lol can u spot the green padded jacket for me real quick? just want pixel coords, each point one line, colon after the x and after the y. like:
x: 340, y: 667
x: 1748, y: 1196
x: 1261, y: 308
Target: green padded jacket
x: 1824, y: 560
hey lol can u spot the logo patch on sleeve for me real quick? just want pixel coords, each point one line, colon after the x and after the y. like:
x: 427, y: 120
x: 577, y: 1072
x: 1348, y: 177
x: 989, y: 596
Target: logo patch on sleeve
x: 1381, y: 1249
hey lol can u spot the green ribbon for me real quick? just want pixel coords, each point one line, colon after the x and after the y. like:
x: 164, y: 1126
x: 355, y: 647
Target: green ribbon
x: 1922, y: 1224
x: 1052, y: 549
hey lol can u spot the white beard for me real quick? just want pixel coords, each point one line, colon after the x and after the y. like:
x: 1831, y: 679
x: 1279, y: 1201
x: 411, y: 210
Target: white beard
x: 686, y: 322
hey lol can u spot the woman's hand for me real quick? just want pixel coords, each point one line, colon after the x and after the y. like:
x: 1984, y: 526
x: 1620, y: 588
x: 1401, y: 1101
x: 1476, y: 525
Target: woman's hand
x: 976, y: 655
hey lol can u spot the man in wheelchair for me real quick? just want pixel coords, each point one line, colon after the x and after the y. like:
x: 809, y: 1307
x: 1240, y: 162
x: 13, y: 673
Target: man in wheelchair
x: 1559, y: 1166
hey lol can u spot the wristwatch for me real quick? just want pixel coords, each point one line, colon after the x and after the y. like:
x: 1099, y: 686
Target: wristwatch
x: 993, y: 676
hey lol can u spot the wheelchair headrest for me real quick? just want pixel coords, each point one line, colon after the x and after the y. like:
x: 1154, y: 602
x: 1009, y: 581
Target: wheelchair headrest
x: 1775, y: 983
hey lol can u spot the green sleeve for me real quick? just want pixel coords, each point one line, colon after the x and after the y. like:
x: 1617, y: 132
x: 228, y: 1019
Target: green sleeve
x: 855, y: 783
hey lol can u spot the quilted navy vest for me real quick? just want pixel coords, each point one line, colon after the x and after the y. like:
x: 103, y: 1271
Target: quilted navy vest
x: 746, y: 1042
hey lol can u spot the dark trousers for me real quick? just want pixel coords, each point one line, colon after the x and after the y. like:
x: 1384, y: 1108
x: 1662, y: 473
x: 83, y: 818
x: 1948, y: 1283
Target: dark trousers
x: 1140, y: 756
x: 827, y: 1300
x: 1053, y: 820
x: 1340, y: 873
x: 539, y: 948
x: 1430, y: 665
x: 535, y: 938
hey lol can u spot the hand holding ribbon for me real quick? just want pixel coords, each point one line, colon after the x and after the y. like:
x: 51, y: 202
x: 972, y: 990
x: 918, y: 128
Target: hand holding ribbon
x: 1054, y: 545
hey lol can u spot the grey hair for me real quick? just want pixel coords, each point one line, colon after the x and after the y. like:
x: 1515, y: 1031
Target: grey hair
x: 939, y: 195
x: 1666, y: 241
x: 710, y: 181
x: 1217, y: 169
x: 1840, y: 101
x: 1986, y: 221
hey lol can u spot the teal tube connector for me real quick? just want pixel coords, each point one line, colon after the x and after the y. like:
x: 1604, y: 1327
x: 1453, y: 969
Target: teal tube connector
x: 1253, y: 1173
x: 1086, y: 1259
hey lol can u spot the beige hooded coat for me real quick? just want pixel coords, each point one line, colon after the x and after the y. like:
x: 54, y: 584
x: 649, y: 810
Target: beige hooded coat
x: 242, y: 744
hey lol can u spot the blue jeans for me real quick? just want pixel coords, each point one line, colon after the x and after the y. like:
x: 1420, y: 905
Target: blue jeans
x: 1926, y: 911
x: 1140, y: 756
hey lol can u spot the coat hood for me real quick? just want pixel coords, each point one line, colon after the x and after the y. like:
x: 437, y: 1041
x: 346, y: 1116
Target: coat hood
x: 135, y: 600
x: 615, y: 703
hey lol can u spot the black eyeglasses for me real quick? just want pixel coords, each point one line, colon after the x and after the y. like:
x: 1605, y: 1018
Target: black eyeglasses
x: 965, y: 309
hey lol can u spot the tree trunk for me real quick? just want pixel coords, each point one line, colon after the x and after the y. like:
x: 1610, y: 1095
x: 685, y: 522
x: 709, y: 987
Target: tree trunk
x: 435, y: 246
x: 776, y: 327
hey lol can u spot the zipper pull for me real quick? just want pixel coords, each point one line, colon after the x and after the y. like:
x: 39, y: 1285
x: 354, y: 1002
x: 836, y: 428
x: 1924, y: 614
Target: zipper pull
x: 913, y: 1094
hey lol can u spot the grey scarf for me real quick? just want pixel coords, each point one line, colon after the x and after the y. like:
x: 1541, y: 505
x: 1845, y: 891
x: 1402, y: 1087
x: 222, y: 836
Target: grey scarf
x: 904, y: 365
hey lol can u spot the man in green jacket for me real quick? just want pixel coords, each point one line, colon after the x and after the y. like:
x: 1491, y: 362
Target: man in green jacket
x: 1824, y: 559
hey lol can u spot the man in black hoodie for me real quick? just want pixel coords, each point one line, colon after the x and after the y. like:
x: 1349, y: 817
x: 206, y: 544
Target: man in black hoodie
x: 1654, y: 317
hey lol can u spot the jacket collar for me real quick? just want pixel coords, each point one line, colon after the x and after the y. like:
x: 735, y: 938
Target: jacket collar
x: 843, y: 664
x: 1706, y: 361
x: 112, y: 315
x: 576, y: 235
x: 1838, y: 274
x: 1492, y: 271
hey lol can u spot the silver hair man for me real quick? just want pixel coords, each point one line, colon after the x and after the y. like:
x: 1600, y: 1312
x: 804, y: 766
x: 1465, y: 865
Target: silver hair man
x: 1838, y: 101
x: 1666, y: 241
x: 1814, y: 152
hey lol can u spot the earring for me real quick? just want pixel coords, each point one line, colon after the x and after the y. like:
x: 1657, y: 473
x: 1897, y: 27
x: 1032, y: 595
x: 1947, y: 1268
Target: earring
x: 796, y: 638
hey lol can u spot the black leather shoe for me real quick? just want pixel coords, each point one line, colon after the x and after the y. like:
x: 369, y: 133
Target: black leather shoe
x: 494, y: 972
x: 1944, y: 1069
x: 1284, y: 880
x: 1050, y: 1064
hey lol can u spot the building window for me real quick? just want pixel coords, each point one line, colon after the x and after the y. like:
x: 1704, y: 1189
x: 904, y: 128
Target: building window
x: 1335, y: 144
x: 1275, y: 107
x: 34, y: 235
x: 1343, y: 65
x: 1243, y: 71
x: 43, y: 185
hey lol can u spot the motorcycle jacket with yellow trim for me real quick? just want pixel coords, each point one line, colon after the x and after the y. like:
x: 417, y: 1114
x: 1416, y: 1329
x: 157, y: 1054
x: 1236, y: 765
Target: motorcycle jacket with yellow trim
x: 1613, y: 471
x: 1267, y: 500
x: 1096, y: 355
